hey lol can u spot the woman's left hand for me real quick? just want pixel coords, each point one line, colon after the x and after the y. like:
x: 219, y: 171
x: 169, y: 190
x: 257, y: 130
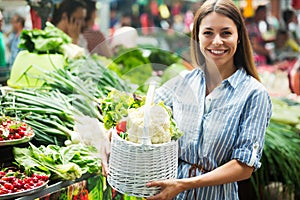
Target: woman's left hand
x: 169, y: 189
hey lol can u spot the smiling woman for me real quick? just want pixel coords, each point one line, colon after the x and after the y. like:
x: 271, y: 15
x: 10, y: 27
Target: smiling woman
x: 218, y: 40
x: 221, y: 107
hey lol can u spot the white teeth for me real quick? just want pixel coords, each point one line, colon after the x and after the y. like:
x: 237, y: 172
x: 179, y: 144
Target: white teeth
x: 217, y: 51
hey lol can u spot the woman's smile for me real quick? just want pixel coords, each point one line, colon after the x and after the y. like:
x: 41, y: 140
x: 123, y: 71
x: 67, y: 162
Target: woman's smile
x: 217, y: 52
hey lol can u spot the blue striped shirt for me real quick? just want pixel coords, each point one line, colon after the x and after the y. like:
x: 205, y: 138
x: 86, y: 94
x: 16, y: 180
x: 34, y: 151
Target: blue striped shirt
x: 227, y: 124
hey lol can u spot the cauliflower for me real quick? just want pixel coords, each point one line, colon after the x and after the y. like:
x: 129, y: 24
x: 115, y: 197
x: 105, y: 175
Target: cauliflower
x: 159, y: 124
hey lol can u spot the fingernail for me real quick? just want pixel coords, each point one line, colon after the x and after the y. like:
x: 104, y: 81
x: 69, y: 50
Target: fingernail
x: 148, y: 184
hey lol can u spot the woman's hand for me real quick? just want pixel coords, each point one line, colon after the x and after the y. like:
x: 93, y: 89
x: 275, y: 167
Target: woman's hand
x: 169, y: 189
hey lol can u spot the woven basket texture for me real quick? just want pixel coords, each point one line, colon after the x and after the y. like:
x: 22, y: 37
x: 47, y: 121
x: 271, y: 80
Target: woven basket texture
x: 133, y: 165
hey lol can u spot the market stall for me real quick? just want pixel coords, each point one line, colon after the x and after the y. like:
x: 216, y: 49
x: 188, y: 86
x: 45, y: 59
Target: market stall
x: 57, y: 90
x: 51, y: 91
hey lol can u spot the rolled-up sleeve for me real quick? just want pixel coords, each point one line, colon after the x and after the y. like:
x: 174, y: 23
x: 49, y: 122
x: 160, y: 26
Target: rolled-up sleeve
x: 253, y: 123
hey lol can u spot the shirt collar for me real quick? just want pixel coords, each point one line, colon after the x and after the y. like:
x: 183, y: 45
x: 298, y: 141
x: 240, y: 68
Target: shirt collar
x: 236, y: 78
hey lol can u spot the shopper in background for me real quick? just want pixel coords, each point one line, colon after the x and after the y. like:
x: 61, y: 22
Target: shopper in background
x: 261, y: 53
x: 2, y: 44
x: 221, y: 107
x: 285, y: 47
x: 69, y: 16
x: 96, y: 42
x: 114, y: 20
x: 291, y: 24
x: 126, y: 20
x: 18, y: 23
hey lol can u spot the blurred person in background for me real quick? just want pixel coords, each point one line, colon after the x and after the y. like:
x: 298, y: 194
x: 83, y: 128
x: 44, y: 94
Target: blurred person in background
x: 69, y: 16
x: 113, y: 18
x: 2, y: 44
x: 291, y: 24
x: 96, y: 42
x: 178, y: 23
x: 261, y: 53
x: 18, y: 23
x: 126, y: 20
x: 285, y: 47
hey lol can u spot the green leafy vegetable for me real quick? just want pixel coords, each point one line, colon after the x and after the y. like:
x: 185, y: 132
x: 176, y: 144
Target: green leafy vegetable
x: 49, y: 113
x: 162, y: 59
x: 132, y: 65
x: 49, y: 40
x: 115, y: 107
x: 63, y: 163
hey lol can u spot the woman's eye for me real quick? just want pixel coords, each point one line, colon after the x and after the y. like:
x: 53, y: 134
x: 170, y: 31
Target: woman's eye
x: 226, y: 33
x: 207, y: 33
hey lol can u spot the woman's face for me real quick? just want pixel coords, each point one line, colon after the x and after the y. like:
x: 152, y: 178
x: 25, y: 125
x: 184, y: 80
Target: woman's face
x: 218, y: 39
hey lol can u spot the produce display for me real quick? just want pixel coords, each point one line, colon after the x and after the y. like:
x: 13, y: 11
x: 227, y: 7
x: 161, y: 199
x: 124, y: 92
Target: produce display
x: 13, y: 130
x: 14, y: 182
x: 50, y: 114
x: 42, y: 51
x: 137, y: 65
x: 60, y: 163
x: 50, y: 40
x: 54, y: 82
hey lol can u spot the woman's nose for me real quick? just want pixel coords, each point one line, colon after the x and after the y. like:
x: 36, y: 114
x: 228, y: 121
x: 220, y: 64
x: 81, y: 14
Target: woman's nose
x: 217, y: 40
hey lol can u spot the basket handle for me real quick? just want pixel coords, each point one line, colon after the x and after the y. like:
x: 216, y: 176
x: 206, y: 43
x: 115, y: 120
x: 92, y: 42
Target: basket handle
x: 149, y: 101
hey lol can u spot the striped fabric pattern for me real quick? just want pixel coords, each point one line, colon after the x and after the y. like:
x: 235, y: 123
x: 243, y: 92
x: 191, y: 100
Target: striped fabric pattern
x: 227, y: 124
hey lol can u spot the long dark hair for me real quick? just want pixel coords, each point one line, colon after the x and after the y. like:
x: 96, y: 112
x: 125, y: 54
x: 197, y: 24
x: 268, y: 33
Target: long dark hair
x: 68, y: 7
x: 243, y: 56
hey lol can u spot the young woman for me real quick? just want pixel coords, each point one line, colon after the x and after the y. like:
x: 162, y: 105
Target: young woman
x: 221, y: 106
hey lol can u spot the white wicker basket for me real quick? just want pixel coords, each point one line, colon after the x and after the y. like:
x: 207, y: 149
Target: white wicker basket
x: 133, y: 165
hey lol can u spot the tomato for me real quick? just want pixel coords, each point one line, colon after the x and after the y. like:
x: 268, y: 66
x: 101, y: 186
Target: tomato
x: 17, y: 185
x: 27, y: 186
x: 23, y: 127
x: 21, y: 182
x: 121, y: 127
x: 8, y: 186
x: 4, y: 190
x: 7, y: 178
x: 39, y: 183
x: 35, y: 179
x: 22, y: 133
x: 17, y: 136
